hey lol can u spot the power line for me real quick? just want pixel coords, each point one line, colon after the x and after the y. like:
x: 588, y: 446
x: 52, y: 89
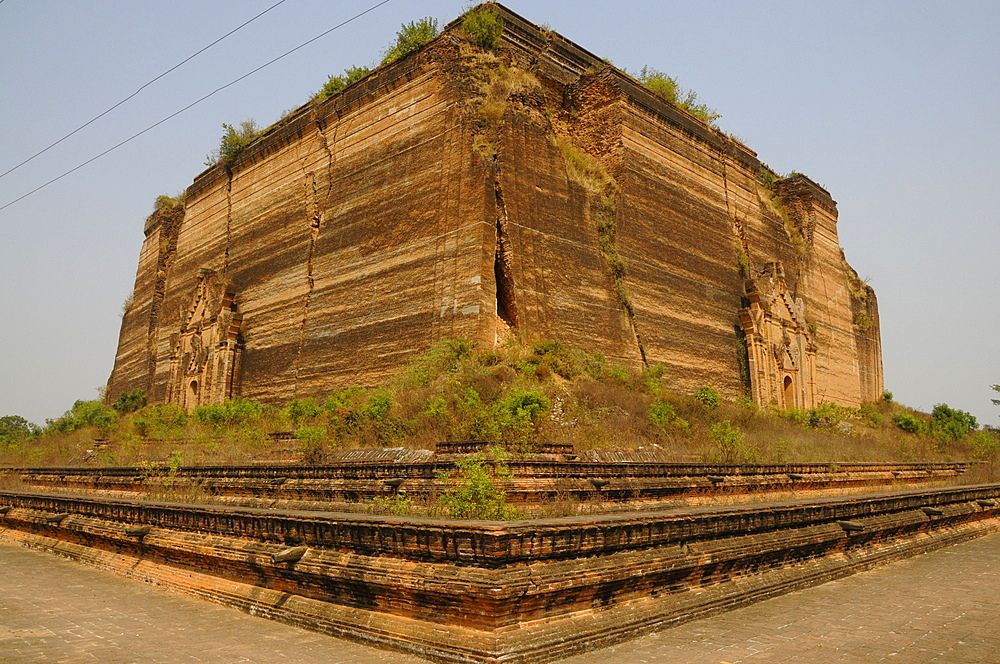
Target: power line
x: 196, y: 102
x: 141, y: 88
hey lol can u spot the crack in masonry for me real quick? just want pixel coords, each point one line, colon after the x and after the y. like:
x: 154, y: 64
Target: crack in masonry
x: 229, y: 219
x: 738, y: 228
x: 506, y: 302
x: 314, y: 215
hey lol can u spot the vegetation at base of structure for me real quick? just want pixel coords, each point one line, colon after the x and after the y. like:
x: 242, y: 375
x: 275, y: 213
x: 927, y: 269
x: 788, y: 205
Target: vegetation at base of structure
x: 483, y: 27
x: 410, y: 37
x: 730, y: 445
x: 908, y: 422
x: 519, y: 394
x: 951, y: 423
x: 129, y: 402
x: 668, y: 88
x: 335, y: 84
x: 15, y: 431
x: 708, y: 397
x: 887, y: 396
x: 476, y: 489
x: 233, y: 142
x: 83, y: 414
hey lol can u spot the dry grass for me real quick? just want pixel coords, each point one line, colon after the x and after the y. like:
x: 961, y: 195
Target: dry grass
x: 456, y: 391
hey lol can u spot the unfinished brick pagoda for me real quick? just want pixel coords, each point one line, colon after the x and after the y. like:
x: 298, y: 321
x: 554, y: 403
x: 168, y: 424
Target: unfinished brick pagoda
x: 460, y: 192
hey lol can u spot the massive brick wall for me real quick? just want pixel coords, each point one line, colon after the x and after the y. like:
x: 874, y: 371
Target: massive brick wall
x: 398, y: 212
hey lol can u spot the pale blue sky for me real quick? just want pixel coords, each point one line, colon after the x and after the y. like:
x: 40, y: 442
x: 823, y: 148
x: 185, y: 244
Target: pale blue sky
x: 892, y: 106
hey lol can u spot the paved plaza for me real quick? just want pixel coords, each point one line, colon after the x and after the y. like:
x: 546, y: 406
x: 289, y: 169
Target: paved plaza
x: 941, y: 607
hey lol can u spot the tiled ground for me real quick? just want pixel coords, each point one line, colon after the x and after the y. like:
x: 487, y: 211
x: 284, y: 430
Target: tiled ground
x: 941, y: 607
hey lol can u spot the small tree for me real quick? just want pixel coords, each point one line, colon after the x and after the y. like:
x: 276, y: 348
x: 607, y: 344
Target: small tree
x: 668, y: 88
x: 15, y: 429
x: 476, y: 491
x: 337, y: 83
x: 708, y: 397
x: 234, y: 141
x: 951, y: 423
x: 129, y: 402
x: 410, y: 37
x: 483, y: 27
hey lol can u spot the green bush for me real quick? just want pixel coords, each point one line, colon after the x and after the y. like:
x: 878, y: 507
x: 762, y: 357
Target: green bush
x: 443, y: 357
x: 378, y: 406
x: 826, y: 415
x: 887, y: 396
x: 234, y: 140
x: 130, y: 401
x: 83, y: 413
x: 240, y: 412
x: 951, y: 423
x: 15, y: 430
x: 661, y: 415
x: 163, y: 421
x: 398, y: 504
x: 730, y: 446
x: 986, y: 445
x: 708, y: 397
x: 871, y: 411
x: 483, y: 27
x: 475, y: 491
x: 302, y: 409
x: 410, y: 37
x: 667, y: 87
x: 337, y: 83
x: 525, y: 404
x: 908, y: 423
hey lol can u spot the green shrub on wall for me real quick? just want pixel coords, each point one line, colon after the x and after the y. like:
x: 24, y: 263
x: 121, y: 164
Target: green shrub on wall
x: 483, y: 27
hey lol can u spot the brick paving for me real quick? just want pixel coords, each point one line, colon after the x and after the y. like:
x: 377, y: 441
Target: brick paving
x: 941, y: 607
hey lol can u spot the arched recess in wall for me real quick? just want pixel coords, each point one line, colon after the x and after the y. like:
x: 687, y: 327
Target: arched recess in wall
x: 206, y: 352
x: 780, y: 350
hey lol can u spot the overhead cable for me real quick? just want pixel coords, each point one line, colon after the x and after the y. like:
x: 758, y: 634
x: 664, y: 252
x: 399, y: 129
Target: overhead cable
x: 196, y: 102
x: 140, y: 89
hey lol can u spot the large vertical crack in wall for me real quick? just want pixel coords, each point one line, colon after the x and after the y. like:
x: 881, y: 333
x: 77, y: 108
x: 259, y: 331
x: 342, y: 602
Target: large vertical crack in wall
x: 506, y: 301
x: 316, y: 204
x: 602, y: 202
x: 229, y: 220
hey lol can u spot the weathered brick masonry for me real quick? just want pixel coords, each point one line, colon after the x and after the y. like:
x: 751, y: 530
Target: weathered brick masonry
x: 535, y: 483
x: 527, y: 591
x: 442, y: 196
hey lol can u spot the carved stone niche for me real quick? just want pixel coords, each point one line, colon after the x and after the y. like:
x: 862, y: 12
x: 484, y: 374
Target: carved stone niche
x: 205, y: 361
x: 780, y: 347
